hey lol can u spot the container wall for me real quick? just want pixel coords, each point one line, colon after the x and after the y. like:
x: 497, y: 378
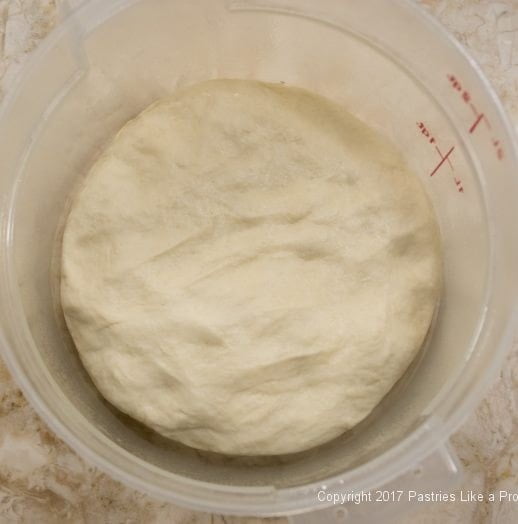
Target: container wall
x: 72, y: 104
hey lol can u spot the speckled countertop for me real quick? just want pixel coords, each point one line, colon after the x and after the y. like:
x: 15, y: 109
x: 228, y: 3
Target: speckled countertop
x: 43, y: 481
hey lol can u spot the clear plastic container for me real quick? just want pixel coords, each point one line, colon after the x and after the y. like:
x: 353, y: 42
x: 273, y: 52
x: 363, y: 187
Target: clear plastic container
x: 391, y: 65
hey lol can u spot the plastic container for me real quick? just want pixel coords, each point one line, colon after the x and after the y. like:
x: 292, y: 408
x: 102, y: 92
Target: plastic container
x: 391, y: 65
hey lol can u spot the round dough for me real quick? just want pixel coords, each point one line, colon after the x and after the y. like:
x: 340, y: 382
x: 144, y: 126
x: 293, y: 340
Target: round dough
x: 249, y: 269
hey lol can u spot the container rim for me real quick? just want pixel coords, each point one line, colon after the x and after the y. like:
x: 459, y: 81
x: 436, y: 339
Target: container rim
x: 203, y: 495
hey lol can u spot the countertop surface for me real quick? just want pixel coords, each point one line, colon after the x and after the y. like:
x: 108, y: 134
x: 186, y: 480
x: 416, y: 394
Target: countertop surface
x: 42, y: 480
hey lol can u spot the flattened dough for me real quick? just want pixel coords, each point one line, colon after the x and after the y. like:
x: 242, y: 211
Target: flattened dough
x: 248, y: 269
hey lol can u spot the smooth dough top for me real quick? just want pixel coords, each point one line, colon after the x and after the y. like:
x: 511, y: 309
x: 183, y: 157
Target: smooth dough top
x: 248, y: 268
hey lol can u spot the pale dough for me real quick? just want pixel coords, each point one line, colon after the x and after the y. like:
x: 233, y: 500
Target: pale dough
x: 249, y: 269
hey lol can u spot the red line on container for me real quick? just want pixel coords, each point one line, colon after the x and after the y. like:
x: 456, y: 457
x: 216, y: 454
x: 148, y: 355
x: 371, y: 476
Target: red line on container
x: 441, y: 155
x: 443, y: 159
x: 477, y: 121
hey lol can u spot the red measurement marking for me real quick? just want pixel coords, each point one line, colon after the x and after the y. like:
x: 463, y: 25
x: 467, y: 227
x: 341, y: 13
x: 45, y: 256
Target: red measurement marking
x: 455, y: 83
x: 447, y: 157
x: 499, y: 149
x: 480, y: 117
x: 477, y: 121
x: 466, y: 97
x: 443, y: 159
x: 426, y: 133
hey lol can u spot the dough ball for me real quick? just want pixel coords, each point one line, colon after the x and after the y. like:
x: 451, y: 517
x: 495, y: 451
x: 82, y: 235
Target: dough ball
x: 248, y: 269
